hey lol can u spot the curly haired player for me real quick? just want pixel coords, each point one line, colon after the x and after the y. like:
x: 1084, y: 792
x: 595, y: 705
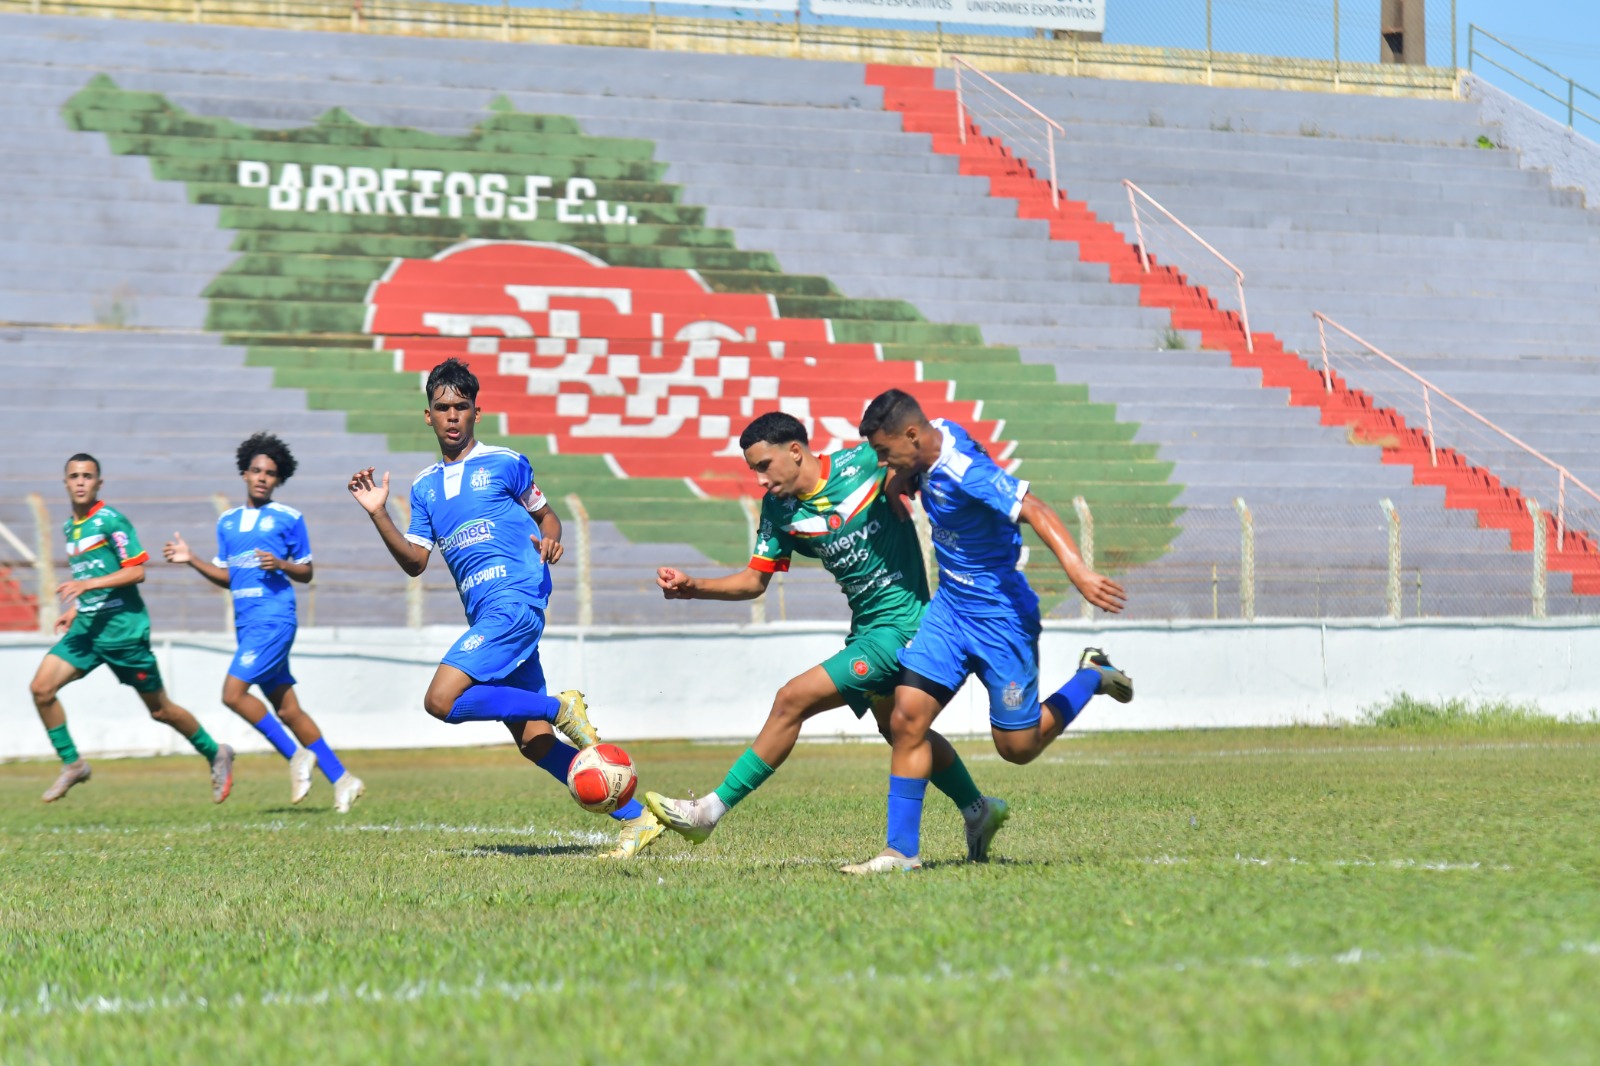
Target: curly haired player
x: 262, y: 547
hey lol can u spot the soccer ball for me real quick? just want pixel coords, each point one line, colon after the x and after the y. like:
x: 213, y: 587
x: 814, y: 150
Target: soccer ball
x: 602, y: 778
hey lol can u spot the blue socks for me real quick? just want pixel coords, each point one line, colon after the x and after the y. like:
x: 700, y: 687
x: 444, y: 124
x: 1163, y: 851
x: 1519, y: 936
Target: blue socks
x: 276, y: 735
x: 558, y: 760
x: 331, y: 767
x: 905, y: 813
x: 503, y: 703
x: 1070, y: 699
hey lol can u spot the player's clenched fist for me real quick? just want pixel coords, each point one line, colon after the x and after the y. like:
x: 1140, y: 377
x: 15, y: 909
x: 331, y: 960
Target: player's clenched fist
x: 675, y: 584
x: 369, y: 493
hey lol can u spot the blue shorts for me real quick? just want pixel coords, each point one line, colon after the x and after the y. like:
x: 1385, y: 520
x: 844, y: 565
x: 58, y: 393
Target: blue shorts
x: 263, y: 655
x: 1003, y: 652
x: 502, y: 645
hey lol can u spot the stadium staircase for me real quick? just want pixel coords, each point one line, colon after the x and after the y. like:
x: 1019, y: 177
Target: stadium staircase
x: 773, y: 198
x: 1467, y: 486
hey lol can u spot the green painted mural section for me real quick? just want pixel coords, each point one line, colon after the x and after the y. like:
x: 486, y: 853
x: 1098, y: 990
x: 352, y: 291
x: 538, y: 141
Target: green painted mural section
x: 295, y: 298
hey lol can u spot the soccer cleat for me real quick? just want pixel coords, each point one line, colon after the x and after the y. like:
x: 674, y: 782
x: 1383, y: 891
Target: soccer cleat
x: 71, y: 774
x: 688, y: 818
x: 573, y: 720
x: 301, y: 763
x: 636, y: 835
x: 1113, y: 682
x: 981, y: 827
x: 346, y: 791
x: 888, y: 861
x: 222, y: 773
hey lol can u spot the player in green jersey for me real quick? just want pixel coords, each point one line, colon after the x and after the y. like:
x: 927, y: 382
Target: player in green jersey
x: 832, y: 508
x: 106, y: 623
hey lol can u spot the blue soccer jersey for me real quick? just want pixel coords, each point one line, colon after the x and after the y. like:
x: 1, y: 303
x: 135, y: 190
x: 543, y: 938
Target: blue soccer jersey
x: 261, y: 596
x: 478, y: 512
x: 973, y: 507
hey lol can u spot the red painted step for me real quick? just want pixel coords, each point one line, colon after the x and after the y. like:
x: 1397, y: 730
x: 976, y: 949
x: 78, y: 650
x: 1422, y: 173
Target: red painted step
x: 19, y: 612
x: 910, y: 91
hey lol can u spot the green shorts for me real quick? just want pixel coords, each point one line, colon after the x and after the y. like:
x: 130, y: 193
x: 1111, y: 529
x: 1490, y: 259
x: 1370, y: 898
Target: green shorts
x: 868, y: 667
x: 121, y: 643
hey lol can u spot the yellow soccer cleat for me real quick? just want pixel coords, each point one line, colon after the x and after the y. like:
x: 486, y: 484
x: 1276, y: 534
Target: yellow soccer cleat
x: 573, y: 720
x: 636, y: 835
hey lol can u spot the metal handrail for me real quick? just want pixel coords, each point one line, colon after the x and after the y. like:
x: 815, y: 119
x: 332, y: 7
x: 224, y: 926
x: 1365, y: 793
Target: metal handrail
x: 1134, y: 194
x: 1563, y: 475
x: 1573, y: 88
x: 1051, y: 126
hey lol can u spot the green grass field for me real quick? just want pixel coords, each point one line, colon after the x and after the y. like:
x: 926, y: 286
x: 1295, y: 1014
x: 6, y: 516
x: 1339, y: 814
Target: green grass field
x: 1369, y: 894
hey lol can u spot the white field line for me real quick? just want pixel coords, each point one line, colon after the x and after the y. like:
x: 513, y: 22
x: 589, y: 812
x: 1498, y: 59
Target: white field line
x: 48, y: 1002
x: 575, y: 836
x: 1117, y: 758
x: 1431, y: 865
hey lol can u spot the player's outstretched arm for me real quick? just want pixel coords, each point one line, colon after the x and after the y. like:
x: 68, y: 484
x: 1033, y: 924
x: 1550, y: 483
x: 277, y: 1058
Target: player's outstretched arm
x: 373, y: 496
x: 1098, y: 589
x: 747, y: 584
x: 177, y: 551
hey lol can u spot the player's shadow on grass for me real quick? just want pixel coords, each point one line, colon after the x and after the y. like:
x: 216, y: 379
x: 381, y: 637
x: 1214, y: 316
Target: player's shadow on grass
x: 525, y: 851
x: 998, y: 860
x: 297, y: 810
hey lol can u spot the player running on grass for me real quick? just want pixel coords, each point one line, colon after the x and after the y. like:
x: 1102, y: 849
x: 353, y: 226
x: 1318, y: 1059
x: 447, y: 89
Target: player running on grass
x: 262, y: 547
x: 832, y: 508
x: 984, y: 619
x: 480, y: 507
x: 107, y: 623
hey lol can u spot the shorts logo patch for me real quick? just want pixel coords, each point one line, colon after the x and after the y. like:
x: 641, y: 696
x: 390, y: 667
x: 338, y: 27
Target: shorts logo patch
x: 834, y: 521
x: 1012, y: 696
x: 247, y: 657
x: 859, y: 667
x: 472, y: 642
x: 141, y: 676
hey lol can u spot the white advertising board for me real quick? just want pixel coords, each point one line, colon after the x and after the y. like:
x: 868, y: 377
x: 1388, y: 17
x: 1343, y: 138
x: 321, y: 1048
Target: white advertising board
x: 1085, y: 16
x: 751, y: 5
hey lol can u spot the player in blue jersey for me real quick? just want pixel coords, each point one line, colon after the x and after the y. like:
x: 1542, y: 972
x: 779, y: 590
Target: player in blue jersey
x: 261, y: 548
x: 481, y: 508
x: 983, y: 620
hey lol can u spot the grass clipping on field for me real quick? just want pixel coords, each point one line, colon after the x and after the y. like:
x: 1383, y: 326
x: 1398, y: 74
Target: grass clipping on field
x: 1404, y: 711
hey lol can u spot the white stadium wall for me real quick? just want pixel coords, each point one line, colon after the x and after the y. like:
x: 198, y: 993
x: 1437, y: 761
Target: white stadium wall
x: 365, y: 685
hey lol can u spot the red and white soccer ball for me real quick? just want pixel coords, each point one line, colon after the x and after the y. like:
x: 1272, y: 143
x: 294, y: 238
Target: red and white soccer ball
x: 602, y: 778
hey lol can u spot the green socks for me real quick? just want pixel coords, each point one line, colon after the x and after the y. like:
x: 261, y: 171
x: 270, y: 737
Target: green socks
x: 955, y: 782
x: 63, y: 744
x: 750, y: 772
x: 204, y: 744
x: 745, y: 776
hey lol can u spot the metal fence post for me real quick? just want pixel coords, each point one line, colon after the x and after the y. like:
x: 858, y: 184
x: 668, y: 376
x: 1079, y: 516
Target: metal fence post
x: 1247, y: 561
x: 1453, y: 64
x: 1085, y: 544
x: 1208, y: 42
x: 580, y: 518
x: 1336, y: 44
x: 752, y: 520
x: 413, y: 584
x: 44, y: 564
x: 1393, y: 593
x: 1539, y: 584
x: 924, y: 528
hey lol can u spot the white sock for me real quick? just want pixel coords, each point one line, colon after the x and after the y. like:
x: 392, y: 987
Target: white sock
x: 713, y: 807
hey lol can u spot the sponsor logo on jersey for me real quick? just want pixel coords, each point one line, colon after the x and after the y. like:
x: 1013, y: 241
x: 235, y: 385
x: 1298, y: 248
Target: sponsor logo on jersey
x: 245, y: 560
x: 488, y: 573
x: 480, y: 479
x: 1012, y: 696
x: 254, y: 592
x: 472, y: 643
x: 476, y: 531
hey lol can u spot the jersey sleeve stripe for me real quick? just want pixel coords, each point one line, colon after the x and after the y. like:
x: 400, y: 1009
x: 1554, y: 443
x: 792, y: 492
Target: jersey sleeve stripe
x: 306, y: 558
x: 769, y: 566
x: 421, y: 542
x: 1022, y: 492
x: 137, y: 560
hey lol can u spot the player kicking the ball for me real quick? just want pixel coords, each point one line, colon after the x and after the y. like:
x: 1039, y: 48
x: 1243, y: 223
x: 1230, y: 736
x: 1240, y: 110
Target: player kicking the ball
x: 833, y: 508
x: 499, y: 538
x: 262, y: 547
x: 984, y: 619
x: 107, y: 623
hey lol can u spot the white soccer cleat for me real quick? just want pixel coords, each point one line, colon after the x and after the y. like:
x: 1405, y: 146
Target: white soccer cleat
x: 983, y: 824
x: 301, y: 763
x: 888, y: 861
x: 690, y: 819
x: 71, y: 774
x: 346, y: 791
